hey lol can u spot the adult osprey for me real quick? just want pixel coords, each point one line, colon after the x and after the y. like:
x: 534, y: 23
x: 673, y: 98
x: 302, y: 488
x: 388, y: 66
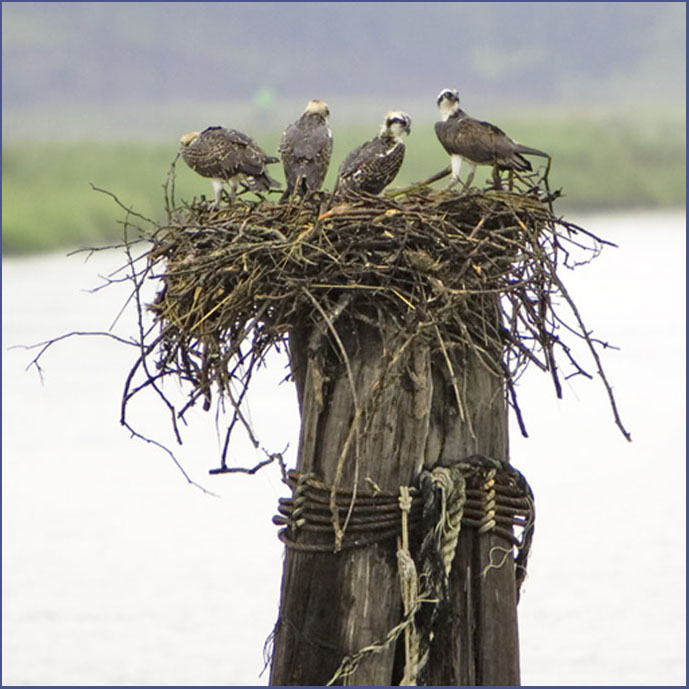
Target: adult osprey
x: 306, y: 146
x: 226, y: 155
x: 373, y: 165
x: 477, y: 142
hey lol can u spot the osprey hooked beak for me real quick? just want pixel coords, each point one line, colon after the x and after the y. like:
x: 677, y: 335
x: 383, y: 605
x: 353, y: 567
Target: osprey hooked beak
x: 400, y: 118
x: 449, y: 95
x: 448, y: 103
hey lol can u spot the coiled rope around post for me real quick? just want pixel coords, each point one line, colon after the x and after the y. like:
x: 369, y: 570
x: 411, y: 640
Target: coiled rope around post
x: 476, y: 492
x: 492, y: 496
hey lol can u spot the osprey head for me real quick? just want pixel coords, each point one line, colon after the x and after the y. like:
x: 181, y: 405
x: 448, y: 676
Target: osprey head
x: 189, y: 138
x: 396, y: 123
x: 317, y: 107
x: 448, y: 102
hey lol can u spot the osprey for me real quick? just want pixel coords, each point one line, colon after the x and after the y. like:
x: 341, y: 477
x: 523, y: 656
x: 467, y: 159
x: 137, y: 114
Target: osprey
x: 305, y: 147
x: 226, y: 155
x: 372, y: 166
x: 477, y: 142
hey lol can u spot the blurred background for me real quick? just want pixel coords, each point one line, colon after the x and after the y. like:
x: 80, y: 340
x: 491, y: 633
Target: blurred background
x: 116, y: 570
x: 101, y: 93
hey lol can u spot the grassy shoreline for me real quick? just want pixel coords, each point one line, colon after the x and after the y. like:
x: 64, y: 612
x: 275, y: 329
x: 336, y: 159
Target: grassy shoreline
x: 600, y: 164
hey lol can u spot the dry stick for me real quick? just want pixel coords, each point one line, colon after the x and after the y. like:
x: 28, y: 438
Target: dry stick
x: 355, y: 423
x: 142, y: 337
x: 145, y: 351
x: 546, y: 339
x: 480, y: 352
x: 376, y: 388
x: 169, y: 187
x: 577, y: 228
x: 172, y: 456
x: 594, y: 353
x: 345, y: 240
x: 121, y: 205
x: 517, y: 410
x: 515, y: 342
x: 238, y: 415
x: 121, y: 311
x: 46, y: 344
x: 453, y: 378
x: 128, y: 393
x: 242, y: 470
x: 142, y: 361
x: 419, y: 185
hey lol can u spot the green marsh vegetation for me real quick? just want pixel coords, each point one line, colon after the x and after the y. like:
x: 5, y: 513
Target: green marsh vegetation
x: 600, y: 162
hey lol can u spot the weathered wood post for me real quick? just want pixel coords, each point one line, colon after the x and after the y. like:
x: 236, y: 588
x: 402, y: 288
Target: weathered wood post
x: 334, y: 604
x: 409, y: 321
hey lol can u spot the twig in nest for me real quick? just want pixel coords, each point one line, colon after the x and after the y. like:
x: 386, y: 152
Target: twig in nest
x: 459, y: 272
x: 419, y: 185
x: 447, y: 256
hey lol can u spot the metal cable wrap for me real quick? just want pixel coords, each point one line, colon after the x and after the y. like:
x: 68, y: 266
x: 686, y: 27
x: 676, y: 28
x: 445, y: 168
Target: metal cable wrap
x: 476, y: 492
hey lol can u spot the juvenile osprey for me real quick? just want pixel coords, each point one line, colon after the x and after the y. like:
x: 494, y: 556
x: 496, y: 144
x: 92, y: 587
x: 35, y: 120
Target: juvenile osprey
x: 305, y: 147
x: 372, y: 166
x: 226, y: 155
x: 477, y: 142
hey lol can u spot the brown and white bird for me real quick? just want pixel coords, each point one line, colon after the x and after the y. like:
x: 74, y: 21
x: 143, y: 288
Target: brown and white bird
x: 305, y: 147
x: 373, y: 165
x: 226, y: 155
x: 477, y: 142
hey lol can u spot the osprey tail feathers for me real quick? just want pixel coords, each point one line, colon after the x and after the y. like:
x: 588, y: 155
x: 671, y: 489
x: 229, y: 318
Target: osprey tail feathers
x: 531, y: 151
x: 262, y: 182
x: 515, y: 162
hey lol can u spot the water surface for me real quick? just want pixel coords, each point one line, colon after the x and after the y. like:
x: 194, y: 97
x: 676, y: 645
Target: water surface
x: 118, y: 572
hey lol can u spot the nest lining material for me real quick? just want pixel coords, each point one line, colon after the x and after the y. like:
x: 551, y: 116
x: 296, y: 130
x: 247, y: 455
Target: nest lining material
x: 475, y: 269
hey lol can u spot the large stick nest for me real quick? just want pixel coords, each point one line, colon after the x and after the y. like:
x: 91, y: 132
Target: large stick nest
x: 475, y: 269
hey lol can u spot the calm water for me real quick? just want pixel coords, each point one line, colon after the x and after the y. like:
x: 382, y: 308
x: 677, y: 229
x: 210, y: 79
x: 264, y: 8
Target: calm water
x: 117, y: 572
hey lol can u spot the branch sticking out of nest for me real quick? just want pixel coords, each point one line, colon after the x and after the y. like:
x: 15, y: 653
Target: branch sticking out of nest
x: 233, y: 282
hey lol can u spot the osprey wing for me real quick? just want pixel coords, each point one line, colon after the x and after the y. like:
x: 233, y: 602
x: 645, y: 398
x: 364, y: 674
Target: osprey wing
x: 244, y: 155
x: 476, y: 141
x: 500, y: 148
x: 482, y: 143
x: 309, y: 144
x: 371, y: 166
x: 208, y: 152
x: 505, y: 146
x: 354, y: 162
x: 230, y: 155
x: 306, y: 152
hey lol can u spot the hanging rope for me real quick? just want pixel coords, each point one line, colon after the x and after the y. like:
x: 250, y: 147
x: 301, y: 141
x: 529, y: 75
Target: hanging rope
x: 494, y: 497
x: 477, y: 492
x: 409, y: 587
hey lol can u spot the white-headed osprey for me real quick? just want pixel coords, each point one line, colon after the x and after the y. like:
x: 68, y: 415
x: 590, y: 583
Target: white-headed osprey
x: 306, y: 146
x: 477, y: 142
x: 226, y: 155
x: 374, y: 164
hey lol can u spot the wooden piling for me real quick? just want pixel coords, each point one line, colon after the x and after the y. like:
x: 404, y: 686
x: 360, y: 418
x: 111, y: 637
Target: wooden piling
x: 334, y: 604
x: 410, y: 319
